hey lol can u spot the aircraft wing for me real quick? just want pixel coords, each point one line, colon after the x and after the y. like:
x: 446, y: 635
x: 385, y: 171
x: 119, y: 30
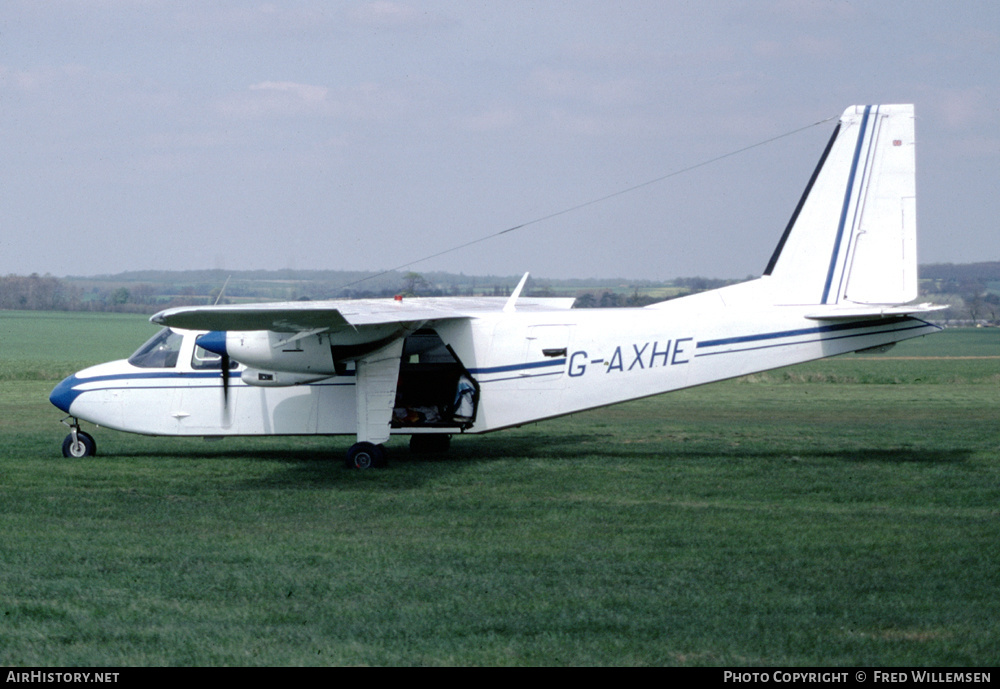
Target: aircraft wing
x: 302, y: 316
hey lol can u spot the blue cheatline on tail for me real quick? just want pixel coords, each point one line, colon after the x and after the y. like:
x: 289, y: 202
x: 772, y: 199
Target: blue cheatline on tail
x: 852, y: 239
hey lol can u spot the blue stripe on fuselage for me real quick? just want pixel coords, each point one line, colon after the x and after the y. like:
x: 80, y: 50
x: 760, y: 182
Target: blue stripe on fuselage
x: 517, y: 367
x: 780, y: 333
x: 66, y: 392
x: 818, y: 330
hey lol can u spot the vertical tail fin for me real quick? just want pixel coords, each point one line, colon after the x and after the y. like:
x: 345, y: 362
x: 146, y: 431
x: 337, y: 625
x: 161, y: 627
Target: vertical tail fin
x: 852, y: 238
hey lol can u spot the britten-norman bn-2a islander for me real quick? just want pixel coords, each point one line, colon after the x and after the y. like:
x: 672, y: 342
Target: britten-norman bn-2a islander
x: 840, y: 280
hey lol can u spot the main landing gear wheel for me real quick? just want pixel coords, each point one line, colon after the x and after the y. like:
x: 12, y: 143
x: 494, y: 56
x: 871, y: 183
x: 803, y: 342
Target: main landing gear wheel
x: 83, y: 445
x: 365, y: 455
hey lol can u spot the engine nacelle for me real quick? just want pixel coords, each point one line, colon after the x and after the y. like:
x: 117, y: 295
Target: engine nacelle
x: 263, y: 349
x: 277, y: 379
x: 319, y: 354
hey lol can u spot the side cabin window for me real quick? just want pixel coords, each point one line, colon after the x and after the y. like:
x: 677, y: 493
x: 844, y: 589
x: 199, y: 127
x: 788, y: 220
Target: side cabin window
x: 160, y: 351
x: 204, y: 360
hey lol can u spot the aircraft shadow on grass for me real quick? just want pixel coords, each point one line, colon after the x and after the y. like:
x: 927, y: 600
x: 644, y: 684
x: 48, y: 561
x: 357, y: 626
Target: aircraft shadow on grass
x: 638, y: 451
x: 309, y: 467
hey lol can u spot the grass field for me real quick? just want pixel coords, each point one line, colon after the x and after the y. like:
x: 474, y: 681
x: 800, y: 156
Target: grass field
x: 839, y: 513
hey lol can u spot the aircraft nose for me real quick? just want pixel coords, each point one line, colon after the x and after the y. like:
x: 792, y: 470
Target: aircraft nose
x: 62, y: 395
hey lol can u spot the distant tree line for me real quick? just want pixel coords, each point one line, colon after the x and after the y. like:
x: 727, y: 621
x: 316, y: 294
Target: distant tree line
x: 613, y: 300
x: 36, y: 293
x: 46, y: 293
x: 972, y: 291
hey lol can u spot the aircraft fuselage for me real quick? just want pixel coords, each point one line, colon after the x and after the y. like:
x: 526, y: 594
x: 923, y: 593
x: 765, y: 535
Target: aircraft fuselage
x: 526, y: 367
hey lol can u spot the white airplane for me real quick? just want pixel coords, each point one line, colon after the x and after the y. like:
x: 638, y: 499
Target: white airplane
x: 840, y: 280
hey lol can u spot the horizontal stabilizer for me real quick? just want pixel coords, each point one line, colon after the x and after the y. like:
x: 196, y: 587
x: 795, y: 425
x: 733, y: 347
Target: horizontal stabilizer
x: 873, y: 311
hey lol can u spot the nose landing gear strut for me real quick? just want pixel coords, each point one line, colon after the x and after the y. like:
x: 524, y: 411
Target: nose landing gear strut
x: 78, y: 443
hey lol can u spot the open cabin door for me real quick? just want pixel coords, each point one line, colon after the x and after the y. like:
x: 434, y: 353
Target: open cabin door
x: 435, y: 391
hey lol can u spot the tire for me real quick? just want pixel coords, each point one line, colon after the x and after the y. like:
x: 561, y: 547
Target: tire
x: 84, y: 447
x: 365, y: 455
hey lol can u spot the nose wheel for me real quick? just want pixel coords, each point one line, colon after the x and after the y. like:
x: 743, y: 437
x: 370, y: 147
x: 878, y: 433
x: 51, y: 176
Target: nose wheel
x: 78, y: 443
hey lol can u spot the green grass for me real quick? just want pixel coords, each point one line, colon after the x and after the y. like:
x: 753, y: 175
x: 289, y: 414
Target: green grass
x: 953, y: 356
x: 784, y: 522
x: 50, y: 345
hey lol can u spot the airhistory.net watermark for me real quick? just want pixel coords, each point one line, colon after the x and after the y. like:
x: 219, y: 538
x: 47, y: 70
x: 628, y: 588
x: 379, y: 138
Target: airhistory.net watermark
x: 41, y: 676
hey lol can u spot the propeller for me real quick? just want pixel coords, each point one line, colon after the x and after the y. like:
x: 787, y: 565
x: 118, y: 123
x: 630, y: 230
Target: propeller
x: 215, y: 342
x: 225, y: 381
x: 224, y: 354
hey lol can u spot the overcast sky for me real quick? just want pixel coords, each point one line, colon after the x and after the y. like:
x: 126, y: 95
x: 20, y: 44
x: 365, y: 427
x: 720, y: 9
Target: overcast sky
x: 182, y: 134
